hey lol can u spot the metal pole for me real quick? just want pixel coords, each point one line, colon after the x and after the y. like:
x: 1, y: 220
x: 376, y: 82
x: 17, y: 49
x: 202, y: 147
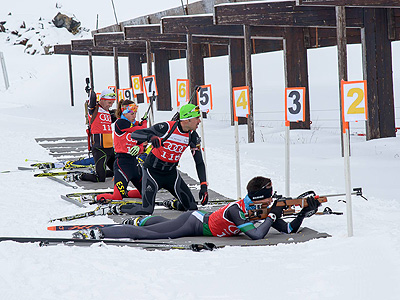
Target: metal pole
x: 91, y: 70
x: 203, y: 141
x: 150, y: 72
x: 287, y: 160
x: 116, y: 68
x: 3, y: 66
x: 348, y: 183
x: 238, y: 186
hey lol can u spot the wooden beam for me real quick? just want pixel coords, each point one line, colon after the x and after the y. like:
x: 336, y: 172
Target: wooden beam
x: 204, y: 26
x: 296, y: 70
x: 161, y: 68
x: 377, y: 62
x: 135, y: 68
x: 249, y: 81
x: 349, y: 3
x: 116, y: 67
x: 282, y: 14
x: 236, y: 72
x: 342, y: 61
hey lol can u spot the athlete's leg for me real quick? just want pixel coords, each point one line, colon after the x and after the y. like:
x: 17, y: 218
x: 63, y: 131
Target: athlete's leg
x: 185, y: 225
x: 100, y: 166
x: 182, y: 192
x: 149, y: 191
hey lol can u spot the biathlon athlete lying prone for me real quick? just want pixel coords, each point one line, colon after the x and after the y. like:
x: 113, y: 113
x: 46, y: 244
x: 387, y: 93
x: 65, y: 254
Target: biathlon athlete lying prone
x: 229, y: 220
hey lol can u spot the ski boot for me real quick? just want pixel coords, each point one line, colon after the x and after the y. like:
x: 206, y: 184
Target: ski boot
x: 88, y: 234
x: 73, y: 177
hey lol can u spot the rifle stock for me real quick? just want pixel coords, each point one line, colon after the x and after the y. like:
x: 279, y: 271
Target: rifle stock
x: 262, y: 212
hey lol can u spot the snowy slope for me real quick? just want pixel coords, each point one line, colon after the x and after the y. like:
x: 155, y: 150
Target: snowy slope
x: 365, y: 266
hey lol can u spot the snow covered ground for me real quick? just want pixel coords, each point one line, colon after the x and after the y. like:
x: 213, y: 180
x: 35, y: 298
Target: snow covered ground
x: 365, y: 266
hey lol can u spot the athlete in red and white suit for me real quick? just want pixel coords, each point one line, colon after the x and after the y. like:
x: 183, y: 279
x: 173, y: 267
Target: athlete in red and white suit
x: 169, y: 141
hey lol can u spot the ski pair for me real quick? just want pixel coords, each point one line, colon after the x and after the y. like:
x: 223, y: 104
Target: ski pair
x: 101, y: 210
x: 44, y: 241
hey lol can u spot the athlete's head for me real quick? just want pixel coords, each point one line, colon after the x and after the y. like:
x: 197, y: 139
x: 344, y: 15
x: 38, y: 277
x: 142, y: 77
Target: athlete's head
x: 259, y: 188
x: 128, y: 109
x: 189, y: 115
x: 107, y: 98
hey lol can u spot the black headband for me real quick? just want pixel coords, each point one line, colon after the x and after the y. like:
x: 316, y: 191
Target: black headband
x: 264, y: 193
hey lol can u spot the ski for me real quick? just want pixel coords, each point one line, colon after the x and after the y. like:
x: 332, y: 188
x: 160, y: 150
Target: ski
x: 56, y: 179
x: 45, y: 241
x: 50, y: 174
x: 77, y: 227
x: 101, y: 210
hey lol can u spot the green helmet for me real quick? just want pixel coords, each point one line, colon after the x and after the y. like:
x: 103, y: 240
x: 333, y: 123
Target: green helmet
x: 189, y: 111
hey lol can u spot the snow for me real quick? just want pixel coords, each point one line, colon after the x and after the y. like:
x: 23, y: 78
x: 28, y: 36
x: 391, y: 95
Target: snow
x: 37, y: 104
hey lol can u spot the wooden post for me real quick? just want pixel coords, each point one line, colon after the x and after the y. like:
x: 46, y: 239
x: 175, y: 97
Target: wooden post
x: 71, y: 85
x: 149, y: 58
x: 91, y: 70
x: 116, y: 69
x: 236, y: 71
x: 161, y: 66
x: 342, y: 59
x: 377, y: 67
x: 135, y: 68
x: 296, y: 70
x: 189, y: 64
x: 249, y: 80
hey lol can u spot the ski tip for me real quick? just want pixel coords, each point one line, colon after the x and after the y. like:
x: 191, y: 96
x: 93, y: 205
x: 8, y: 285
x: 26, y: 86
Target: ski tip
x: 53, y: 228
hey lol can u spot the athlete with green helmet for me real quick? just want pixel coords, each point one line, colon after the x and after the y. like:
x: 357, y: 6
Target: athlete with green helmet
x: 169, y: 141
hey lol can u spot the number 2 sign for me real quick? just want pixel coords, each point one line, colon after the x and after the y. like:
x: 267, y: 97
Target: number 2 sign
x: 294, y: 104
x: 354, y: 104
x: 241, y: 107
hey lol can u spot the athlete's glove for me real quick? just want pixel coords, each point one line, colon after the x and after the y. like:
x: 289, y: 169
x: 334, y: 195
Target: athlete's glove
x: 144, y: 116
x: 276, y: 211
x: 203, y: 194
x: 155, y: 141
x: 134, y: 150
x: 311, y: 209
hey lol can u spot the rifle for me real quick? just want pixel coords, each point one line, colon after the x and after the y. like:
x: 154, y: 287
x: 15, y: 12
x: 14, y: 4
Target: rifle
x: 89, y: 134
x: 261, y: 211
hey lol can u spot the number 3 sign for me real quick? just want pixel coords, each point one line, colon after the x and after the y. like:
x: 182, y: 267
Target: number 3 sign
x: 354, y: 104
x: 294, y: 104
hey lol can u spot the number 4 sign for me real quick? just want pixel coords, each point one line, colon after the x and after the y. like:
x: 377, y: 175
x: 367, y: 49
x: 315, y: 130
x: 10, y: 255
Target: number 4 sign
x: 240, y: 100
x: 294, y: 104
x: 354, y: 104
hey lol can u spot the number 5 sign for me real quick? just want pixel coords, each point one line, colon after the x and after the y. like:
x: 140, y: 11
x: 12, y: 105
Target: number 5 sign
x: 354, y: 104
x: 240, y: 100
x: 204, y: 97
x: 294, y: 104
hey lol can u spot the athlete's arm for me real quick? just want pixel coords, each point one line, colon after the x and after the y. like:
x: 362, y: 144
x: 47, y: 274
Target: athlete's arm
x: 195, y: 148
x: 92, y: 102
x: 285, y: 227
x: 146, y: 134
x: 236, y: 215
